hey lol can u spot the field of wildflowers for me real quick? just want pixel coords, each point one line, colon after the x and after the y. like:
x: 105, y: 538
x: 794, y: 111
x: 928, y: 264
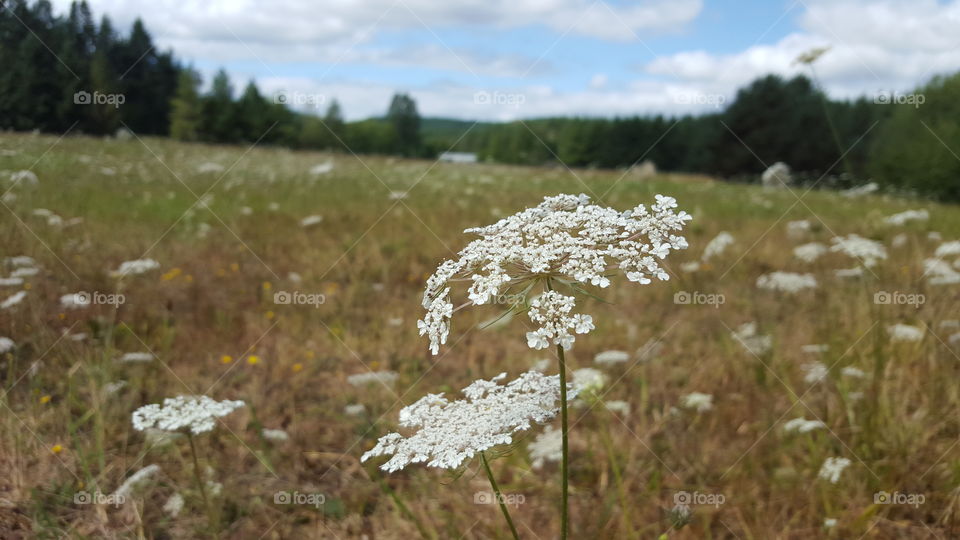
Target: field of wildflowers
x: 204, y: 341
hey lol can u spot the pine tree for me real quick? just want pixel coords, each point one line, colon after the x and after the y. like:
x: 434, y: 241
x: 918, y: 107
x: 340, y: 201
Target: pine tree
x: 185, y: 108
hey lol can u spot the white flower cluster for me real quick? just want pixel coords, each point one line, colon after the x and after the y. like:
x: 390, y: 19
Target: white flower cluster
x: 589, y: 380
x: 746, y: 335
x: 386, y: 378
x: 450, y: 432
x: 909, y: 215
x: 197, y: 414
x: 136, y: 481
x: 788, y: 282
x: 548, y: 446
x: 802, y: 425
x: 6, y: 344
x: 814, y: 372
x: 551, y: 311
x: 809, y: 252
x: 832, y: 468
x: 940, y: 272
x: 607, y: 358
x: 132, y: 268
x: 904, y: 332
x: 698, y: 401
x: 866, y: 250
x: 565, y: 238
x: 717, y: 246
x: 947, y: 249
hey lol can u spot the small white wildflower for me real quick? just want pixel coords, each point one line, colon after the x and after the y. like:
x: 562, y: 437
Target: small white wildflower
x: 698, y: 401
x: 809, y: 252
x: 796, y: 229
x: 135, y: 267
x: 832, y: 468
x: 20, y: 261
x: 717, y: 246
x: 13, y: 300
x: 174, y: 505
x: 196, y: 414
x: 6, y: 344
x: 450, y: 432
x: 276, y: 435
x: 867, y: 251
x: 829, y: 523
x: 854, y: 372
x: 787, y: 282
x: 757, y: 344
x: 690, y: 267
x: 940, y: 272
x: 909, y: 215
x: 387, y: 378
x: 860, y: 191
x: 321, y: 168
x: 814, y: 372
x: 135, y: 482
x: 356, y: 409
x: 398, y: 195
x: 802, y: 425
x: 26, y: 271
x: 209, y: 167
x: 934, y: 236
x: 618, y: 406
x: 904, y: 333
x: 899, y: 240
x: 566, y: 239
x: 25, y: 177
x: 113, y: 387
x: 548, y: 446
x: 214, y: 488
x: 815, y: 348
x: 611, y: 357
x: 11, y: 281
x: 74, y: 301
x: 849, y: 272
x: 310, y: 221
x: 947, y: 249
x: 135, y: 357
x: 589, y: 380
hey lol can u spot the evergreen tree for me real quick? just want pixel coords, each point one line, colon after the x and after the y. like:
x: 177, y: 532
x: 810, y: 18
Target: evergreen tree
x: 185, y: 114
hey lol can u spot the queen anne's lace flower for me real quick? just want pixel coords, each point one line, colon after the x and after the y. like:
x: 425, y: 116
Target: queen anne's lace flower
x: 717, y: 246
x: 746, y: 335
x: 788, y: 282
x: 909, y: 215
x: 548, y: 446
x: 948, y: 249
x: 698, y: 401
x: 832, y: 468
x: 565, y: 239
x: 611, y: 357
x: 132, y: 268
x: 809, y: 252
x: 802, y: 425
x: 866, y: 250
x: 196, y: 414
x: 904, y: 332
x: 6, y: 344
x: 814, y: 372
x: 136, y: 481
x: 451, y: 432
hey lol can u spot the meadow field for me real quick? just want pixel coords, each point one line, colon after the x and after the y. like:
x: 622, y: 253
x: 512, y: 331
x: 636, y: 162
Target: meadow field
x: 285, y: 278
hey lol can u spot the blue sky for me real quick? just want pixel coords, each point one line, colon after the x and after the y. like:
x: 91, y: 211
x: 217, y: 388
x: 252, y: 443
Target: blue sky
x: 500, y: 59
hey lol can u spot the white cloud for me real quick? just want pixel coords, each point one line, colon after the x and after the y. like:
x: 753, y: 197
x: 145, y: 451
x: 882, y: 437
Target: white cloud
x: 876, y: 46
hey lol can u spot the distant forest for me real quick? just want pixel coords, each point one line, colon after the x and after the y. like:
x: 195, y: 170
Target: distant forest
x: 54, y: 64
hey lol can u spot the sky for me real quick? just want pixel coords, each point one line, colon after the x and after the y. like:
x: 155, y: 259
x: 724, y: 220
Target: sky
x: 504, y: 59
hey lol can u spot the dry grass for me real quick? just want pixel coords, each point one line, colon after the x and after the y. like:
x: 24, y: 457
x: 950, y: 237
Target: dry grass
x: 214, y: 296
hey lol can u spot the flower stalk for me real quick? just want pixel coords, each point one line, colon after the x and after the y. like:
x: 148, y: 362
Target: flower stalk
x: 500, y: 500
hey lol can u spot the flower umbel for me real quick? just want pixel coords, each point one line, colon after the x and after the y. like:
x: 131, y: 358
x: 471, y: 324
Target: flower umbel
x: 450, y: 432
x: 565, y: 239
x: 196, y: 414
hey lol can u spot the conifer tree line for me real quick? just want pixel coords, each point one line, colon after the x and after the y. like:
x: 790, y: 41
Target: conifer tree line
x: 75, y: 72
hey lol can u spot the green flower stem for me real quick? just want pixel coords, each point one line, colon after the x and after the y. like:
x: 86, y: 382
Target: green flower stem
x: 500, y: 499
